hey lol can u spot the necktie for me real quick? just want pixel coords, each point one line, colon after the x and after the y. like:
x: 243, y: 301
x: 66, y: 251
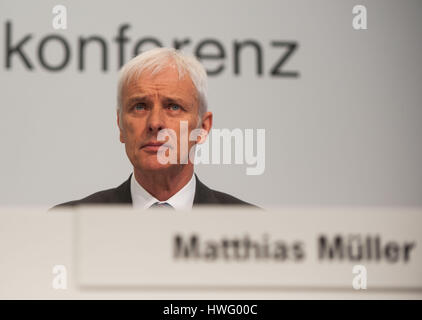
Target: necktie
x: 161, y: 205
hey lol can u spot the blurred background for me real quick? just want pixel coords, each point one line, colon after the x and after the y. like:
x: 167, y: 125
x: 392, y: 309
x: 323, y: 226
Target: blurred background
x: 341, y: 107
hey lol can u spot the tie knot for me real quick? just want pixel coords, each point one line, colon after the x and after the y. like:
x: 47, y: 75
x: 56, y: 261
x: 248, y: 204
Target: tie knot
x: 164, y: 205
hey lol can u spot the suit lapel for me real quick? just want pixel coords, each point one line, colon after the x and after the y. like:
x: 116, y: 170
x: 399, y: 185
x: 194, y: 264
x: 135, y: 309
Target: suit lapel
x: 122, y: 193
x: 203, y: 194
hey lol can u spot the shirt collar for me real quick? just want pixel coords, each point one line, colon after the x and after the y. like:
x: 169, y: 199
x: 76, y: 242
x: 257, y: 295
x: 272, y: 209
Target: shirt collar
x: 182, y: 200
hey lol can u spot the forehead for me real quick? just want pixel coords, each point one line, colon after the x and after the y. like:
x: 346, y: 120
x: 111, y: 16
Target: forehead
x: 165, y: 83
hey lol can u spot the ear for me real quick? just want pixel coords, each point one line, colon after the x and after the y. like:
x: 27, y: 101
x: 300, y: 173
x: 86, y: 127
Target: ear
x: 122, y: 140
x: 206, y: 125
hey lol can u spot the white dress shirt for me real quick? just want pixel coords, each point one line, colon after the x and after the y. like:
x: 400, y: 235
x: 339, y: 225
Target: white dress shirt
x: 182, y: 200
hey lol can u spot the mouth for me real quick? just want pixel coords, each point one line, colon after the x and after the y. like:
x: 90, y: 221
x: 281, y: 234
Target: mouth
x: 152, y: 146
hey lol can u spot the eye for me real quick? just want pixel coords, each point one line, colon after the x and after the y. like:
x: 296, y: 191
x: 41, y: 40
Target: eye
x: 139, y: 106
x: 174, y: 107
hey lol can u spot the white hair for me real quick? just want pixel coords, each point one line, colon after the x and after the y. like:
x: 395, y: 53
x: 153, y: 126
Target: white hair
x: 155, y: 60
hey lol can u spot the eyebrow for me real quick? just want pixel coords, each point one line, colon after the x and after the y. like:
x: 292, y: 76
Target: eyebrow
x: 136, y: 98
x: 141, y: 98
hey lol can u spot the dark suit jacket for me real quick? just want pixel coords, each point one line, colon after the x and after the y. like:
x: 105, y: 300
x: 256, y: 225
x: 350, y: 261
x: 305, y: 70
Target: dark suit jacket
x: 121, y: 195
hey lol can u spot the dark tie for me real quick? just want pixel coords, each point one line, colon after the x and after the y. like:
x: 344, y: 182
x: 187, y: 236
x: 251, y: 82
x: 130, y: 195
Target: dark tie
x: 161, y: 205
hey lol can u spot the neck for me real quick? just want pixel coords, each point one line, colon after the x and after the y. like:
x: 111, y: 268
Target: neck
x: 164, y: 184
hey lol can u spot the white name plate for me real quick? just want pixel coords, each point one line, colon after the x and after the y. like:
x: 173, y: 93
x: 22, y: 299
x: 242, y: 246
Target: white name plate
x: 239, y: 248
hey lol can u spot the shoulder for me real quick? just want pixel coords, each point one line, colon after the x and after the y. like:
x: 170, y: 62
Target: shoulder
x: 104, y: 196
x: 118, y: 195
x: 225, y: 198
x: 207, y: 196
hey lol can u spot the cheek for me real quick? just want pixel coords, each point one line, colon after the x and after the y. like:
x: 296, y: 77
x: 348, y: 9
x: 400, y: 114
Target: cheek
x: 132, y: 130
x: 189, y: 123
x: 182, y: 131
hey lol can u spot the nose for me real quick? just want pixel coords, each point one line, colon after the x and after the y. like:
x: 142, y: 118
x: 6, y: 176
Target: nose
x: 155, y: 120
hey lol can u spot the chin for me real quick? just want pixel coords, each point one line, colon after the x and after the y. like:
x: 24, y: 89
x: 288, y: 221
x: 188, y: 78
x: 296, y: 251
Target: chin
x: 152, y: 166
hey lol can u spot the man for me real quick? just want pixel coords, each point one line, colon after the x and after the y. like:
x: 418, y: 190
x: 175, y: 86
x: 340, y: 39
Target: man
x: 161, y: 99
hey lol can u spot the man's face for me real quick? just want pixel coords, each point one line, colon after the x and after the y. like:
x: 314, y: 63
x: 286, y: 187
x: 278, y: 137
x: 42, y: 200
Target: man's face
x: 150, y: 104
